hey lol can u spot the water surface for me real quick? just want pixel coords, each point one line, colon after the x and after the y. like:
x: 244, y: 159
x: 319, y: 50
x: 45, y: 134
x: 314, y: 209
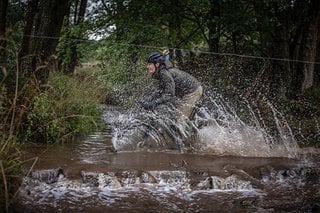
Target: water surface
x: 88, y: 176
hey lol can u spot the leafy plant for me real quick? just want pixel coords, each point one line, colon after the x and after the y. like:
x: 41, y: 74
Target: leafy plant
x: 10, y: 161
x: 9, y: 171
x: 123, y: 72
x: 67, y: 107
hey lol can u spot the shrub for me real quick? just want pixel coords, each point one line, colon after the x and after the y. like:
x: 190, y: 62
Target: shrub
x: 9, y: 172
x: 68, y: 106
x: 123, y: 73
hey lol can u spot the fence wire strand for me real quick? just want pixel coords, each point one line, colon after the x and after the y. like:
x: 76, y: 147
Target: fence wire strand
x: 194, y: 50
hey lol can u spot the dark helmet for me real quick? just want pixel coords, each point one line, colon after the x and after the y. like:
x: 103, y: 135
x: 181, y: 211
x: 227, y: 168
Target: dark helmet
x: 155, y: 57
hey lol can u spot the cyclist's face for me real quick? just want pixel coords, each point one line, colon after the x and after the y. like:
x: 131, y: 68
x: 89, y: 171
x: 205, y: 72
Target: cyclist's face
x: 152, y: 68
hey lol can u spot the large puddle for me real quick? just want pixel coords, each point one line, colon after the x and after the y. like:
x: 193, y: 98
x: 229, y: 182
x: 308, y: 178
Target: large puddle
x: 88, y: 176
x: 228, y: 167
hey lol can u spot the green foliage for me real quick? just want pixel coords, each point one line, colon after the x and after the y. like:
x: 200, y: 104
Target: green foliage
x: 138, y: 22
x: 16, y: 11
x: 68, y: 106
x: 304, y: 118
x: 120, y: 65
x: 10, y: 161
x: 9, y: 172
x: 123, y: 72
x: 67, y: 42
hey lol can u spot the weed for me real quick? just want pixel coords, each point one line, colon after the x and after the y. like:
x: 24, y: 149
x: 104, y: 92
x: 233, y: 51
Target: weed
x: 67, y: 107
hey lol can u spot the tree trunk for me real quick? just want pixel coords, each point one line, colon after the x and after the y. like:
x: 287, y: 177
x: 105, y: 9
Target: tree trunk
x: 310, y: 47
x: 3, y: 14
x: 79, y: 18
x: 175, y: 31
x: 120, y: 10
x: 280, y: 71
x: 214, y: 26
x: 51, y: 18
x: 24, y: 55
x: 235, y: 39
x: 305, y: 49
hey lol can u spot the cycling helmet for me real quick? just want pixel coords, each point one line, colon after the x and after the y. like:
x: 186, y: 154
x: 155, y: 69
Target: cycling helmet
x: 155, y: 57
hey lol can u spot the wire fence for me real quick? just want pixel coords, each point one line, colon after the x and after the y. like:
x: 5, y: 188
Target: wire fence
x: 193, y: 50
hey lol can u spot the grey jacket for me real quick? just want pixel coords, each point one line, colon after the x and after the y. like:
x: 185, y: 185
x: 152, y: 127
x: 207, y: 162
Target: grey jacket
x: 172, y: 84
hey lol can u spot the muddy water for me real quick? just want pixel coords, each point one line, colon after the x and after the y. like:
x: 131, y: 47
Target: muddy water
x: 88, y: 176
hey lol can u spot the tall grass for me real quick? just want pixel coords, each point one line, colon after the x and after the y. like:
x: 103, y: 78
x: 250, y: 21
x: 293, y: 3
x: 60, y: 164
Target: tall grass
x: 10, y: 172
x: 67, y: 107
x: 9, y: 151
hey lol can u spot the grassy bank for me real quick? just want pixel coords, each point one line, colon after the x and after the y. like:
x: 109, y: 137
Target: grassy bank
x: 67, y: 106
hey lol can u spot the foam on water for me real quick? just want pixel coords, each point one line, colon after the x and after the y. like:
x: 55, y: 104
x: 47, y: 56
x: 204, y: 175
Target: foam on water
x: 169, y: 189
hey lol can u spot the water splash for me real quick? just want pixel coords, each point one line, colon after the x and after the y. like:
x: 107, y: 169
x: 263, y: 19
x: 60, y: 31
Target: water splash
x: 216, y: 128
x: 228, y: 134
x: 135, y: 129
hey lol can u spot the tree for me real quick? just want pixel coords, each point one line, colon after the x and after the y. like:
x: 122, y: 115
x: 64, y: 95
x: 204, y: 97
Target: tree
x: 214, y: 26
x: 25, y: 53
x: 289, y: 32
x: 44, y: 25
x: 3, y: 15
x: 280, y: 70
x: 308, y: 38
x: 72, y: 34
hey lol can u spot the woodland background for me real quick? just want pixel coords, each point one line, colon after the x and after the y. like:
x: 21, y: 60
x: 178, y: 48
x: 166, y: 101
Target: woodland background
x: 60, y: 59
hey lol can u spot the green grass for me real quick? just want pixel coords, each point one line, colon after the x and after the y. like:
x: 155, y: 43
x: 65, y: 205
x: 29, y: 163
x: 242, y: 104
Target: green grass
x: 10, y: 172
x: 68, y: 106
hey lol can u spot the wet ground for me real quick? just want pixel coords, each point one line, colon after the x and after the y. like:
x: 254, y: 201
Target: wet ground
x: 88, y: 176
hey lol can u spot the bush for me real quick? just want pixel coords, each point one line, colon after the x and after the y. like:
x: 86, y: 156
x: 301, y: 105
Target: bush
x: 69, y: 106
x: 123, y: 73
x: 9, y: 172
x: 10, y: 155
